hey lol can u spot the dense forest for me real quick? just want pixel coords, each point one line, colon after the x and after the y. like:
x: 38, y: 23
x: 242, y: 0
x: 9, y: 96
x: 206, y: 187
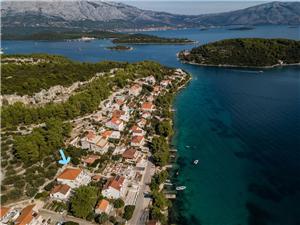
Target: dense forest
x: 31, y: 77
x: 150, y: 39
x: 85, y: 100
x: 254, y: 52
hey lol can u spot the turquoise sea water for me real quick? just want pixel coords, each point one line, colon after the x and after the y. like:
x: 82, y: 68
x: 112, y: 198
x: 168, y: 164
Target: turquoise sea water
x: 242, y: 125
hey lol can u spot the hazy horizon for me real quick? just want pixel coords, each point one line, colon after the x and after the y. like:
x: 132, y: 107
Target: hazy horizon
x: 192, y: 7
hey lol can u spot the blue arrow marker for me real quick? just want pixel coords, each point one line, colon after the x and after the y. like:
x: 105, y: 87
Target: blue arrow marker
x: 63, y: 160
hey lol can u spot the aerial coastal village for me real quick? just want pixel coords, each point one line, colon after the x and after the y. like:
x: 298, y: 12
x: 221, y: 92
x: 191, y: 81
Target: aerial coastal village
x: 116, y: 160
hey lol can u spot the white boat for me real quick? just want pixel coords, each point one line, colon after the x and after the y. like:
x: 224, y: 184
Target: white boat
x: 187, y: 146
x: 180, y: 188
x: 196, y: 161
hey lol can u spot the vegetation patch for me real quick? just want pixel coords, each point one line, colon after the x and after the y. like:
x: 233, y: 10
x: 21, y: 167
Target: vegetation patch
x: 245, y: 52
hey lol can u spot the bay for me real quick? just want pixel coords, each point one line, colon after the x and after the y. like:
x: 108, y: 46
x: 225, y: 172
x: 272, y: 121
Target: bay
x: 242, y: 125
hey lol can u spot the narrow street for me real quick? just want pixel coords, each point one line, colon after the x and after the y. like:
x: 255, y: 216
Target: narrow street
x: 57, y: 217
x: 140, y: 216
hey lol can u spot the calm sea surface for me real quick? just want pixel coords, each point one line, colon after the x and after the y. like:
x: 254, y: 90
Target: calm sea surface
x: 242, y: 125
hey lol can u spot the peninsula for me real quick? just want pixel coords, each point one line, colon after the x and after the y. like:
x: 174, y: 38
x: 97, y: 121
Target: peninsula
x: 115, y: 125
x: 245, y: 52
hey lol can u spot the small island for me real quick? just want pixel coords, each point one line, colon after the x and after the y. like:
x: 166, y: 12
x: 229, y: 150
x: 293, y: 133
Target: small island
x: 241, y: 28
x: 150, y: 39
x: 245, y: 52
x: 120, y: 48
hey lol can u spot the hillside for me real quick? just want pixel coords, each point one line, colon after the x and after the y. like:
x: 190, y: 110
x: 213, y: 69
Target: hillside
x: 252, y: 52
x: 38, y: 15
x: 268, y: 13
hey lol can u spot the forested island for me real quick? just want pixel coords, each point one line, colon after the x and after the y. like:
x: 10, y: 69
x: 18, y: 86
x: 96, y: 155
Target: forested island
x: 150, y: 39
x: 245, y: 52
x: 50, y: 35
x: 120, y: 48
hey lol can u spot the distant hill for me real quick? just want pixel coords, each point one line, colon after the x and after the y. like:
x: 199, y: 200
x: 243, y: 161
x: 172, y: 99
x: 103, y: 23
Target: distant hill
x: 268, y: 13
x: 32, y: 15
x: 245, y: 52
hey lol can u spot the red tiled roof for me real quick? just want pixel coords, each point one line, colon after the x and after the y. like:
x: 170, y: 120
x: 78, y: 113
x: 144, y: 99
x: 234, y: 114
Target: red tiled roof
x: 61, y: 188
x: 115, y: 183
x: 91, y: 135
x: 91, y: 159
x: 129, y: 153
x: 137, y: 139
x: 25, y: 216
x: 3, y: 211
x: 118, y: 113
x: 135, y: 87
x: 69, y: 174
x: 102, y: 205
x: 147, y: 105
x: 136, y: 129
x: 116, y: 120
x: 106, y: 133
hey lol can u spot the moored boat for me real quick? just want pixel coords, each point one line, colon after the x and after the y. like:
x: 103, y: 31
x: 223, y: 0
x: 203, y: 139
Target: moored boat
x: 180, y: 188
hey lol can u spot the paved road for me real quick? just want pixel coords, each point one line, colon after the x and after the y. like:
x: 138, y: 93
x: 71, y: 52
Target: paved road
x: 56, y: 217
x: 139, y: 216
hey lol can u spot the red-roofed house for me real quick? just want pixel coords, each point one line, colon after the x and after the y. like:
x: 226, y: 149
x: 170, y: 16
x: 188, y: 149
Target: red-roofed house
x: 115, y: 124
x: 28, y: 217
x: 142, y: 122
x: 109, y: 134
x: 114, y: 187
x: 137, y: 141
x: 94, y: 143
x: 137, y: 131
x: 74, y: 177
x: 3, y: 212
x: 147, y: 106
x: 103, y: 206
x: 130, y: 155
x: 60, y: 192
x: 90, y: 159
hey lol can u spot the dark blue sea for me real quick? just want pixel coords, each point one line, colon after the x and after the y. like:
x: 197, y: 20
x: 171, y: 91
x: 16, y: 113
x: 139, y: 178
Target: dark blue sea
x: 242, y: 125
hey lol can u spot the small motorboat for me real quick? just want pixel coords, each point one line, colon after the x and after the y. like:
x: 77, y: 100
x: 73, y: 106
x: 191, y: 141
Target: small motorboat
x: 187, y: 146
x: 196, y: 162
x: 180, y: 188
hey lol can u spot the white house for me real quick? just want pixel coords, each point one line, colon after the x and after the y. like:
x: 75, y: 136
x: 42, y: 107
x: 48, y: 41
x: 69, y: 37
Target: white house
x: 60, y: 192
x: 165, y: 83
x: 135, y: 90
x: 137, y: 141
x: 115, y: 124
x: 114, y: 188
x: 150, y: 80
x: 94, y: 143
x: 111, y: 134
x: 74, y: 177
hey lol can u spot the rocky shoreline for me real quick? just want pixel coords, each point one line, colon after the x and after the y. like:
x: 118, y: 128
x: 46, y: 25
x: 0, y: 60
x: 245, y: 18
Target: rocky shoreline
x: 238, y: 66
